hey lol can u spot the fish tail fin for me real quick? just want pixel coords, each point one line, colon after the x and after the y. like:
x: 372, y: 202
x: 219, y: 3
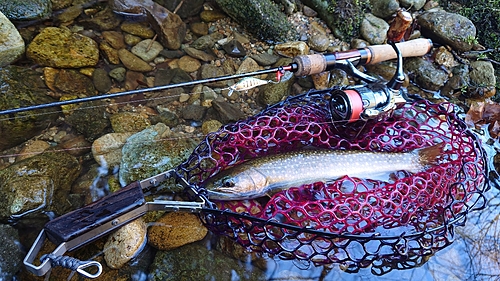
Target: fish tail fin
x: 429, y: 155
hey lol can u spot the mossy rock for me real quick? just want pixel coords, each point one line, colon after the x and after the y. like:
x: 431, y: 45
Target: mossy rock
x: 260, y: 17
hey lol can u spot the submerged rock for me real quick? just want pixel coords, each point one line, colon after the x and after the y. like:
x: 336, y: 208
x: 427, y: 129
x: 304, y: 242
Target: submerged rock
x: 11, y: 255
x: 22, y: 87
x: 11, y: 42
x: 124, y: 122
x: 39, y: 183
x: 186, y: 8
x: 72, y: 82
x: 61, y: 48
x: 107, y: 150
x: 176, y: 229
x: 125, y: 243
x: 152, y: 151
x: 260, y: 17
x: 91, y: 122
x: 197, y: 262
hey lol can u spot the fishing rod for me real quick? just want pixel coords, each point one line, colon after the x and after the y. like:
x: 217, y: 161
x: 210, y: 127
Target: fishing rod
x: 301, y: 66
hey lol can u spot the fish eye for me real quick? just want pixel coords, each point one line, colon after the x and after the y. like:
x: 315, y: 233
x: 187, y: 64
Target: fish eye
x: 228, y: 182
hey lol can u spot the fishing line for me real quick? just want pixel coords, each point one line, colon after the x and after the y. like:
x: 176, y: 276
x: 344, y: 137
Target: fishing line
x: 187, y: 136
x: 97, y: 106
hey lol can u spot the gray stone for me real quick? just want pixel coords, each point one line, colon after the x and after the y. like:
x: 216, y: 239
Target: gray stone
x: 194, y: 112
x: 274, y: 92
x: 118, y: 74
x: 448, y: 28
x: 414, y: 5
x: 265, y: 59
x: 209, y: 71
x: 147, y: 49
x: 197, y: 54
x: 227, y: 112
x: 24, y: 10
x: 319, y: 42
x: 482, y: 73
x: 204, y: 42
x: 384, y: 8
x: 11, y: 42
x: 426, y: 74
x: 374, y: 29
x: 234, y: 48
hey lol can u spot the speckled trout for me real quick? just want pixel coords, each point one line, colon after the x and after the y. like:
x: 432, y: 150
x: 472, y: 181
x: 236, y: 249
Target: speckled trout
x: 271, y: 174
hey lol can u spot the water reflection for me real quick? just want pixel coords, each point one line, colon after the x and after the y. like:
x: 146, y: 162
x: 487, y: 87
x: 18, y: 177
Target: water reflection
x: 474, y: 255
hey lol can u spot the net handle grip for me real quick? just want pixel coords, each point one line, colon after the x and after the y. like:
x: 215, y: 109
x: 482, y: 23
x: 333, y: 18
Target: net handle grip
x: 317, y: 63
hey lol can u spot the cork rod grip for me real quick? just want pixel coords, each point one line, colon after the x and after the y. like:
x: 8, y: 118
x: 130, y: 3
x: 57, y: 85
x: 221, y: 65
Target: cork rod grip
x: 413, y: 48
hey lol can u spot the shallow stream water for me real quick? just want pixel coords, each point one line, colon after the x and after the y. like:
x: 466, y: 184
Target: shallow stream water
x: 474, y: 255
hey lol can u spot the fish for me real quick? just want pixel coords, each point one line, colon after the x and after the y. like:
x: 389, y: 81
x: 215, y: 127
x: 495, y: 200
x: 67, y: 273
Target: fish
x: 268, y: 175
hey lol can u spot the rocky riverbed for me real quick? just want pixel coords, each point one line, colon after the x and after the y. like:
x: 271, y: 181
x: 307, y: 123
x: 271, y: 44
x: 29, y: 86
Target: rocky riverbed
x: 58, y: 159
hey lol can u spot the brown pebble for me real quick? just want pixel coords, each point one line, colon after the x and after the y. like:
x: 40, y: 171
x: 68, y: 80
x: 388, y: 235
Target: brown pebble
x: 189, y: 64
x: 176, y: 229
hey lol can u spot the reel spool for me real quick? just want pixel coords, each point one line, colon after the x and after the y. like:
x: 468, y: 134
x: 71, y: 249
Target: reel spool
x: 363, y: 102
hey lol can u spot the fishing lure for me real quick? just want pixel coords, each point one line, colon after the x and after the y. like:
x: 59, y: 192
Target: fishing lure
x: 248, y: 83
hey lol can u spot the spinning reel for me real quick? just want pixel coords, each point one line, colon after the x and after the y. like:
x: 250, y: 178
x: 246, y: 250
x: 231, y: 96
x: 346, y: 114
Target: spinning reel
x: 363, y: 102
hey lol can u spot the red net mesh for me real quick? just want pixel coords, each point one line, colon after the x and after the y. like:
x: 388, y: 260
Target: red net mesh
x: 353, y: 221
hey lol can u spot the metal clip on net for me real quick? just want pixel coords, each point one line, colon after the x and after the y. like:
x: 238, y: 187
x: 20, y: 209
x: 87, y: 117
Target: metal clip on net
x: 93, y: 221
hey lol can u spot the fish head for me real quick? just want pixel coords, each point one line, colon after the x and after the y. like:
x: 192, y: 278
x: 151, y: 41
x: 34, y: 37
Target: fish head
x: 246, y: 184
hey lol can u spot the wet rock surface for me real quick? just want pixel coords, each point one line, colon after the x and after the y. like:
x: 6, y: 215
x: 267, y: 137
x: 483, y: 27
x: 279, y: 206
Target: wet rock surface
x: 125, y: 243
x: 152, y: 151
x: 59, y: 47
x: 22, y: 87
x: 39, y: 183
x: 174, y: 230
x: 11, y: 254
x: 195, y: 262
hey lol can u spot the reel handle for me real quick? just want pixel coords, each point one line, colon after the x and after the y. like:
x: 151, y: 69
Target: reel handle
x: 317, y: 63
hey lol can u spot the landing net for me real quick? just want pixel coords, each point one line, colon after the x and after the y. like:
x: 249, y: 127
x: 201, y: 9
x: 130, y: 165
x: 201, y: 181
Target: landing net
x: 352, y: 221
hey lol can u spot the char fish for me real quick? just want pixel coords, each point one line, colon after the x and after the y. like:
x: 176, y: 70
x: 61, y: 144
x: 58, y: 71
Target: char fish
x: 270, y: 174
